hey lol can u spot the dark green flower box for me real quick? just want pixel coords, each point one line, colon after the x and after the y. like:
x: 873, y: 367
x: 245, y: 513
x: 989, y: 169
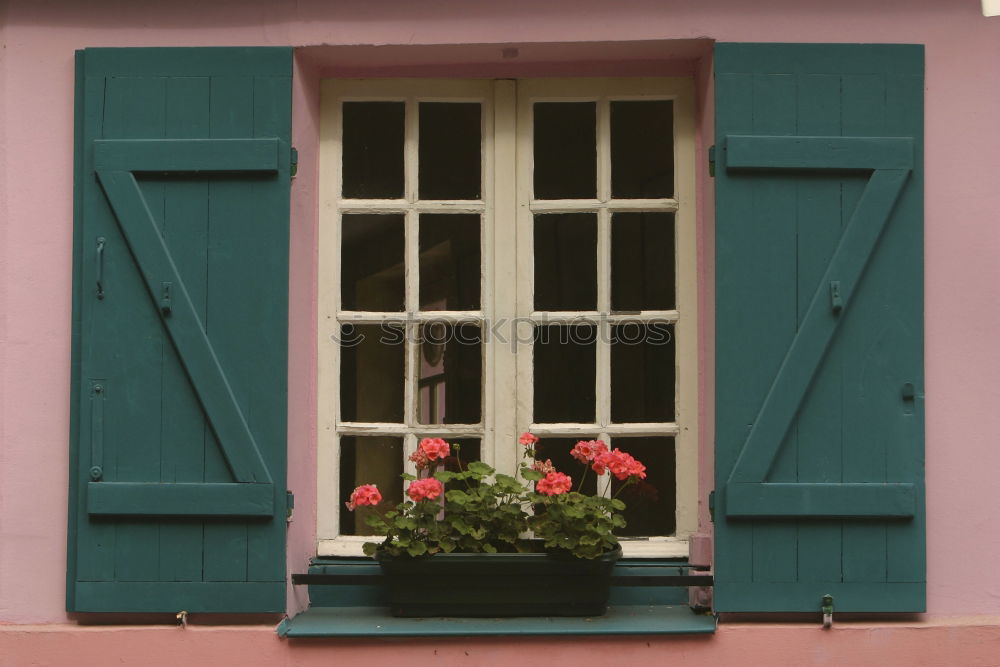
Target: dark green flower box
x: 493, y: 585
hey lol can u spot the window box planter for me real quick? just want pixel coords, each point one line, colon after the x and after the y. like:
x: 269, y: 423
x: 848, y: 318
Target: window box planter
x: 493, y: 585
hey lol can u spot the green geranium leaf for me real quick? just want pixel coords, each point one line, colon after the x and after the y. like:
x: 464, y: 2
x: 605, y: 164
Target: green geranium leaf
x: 480, y: 468
x: 417, y: 549
x: 457, y: 496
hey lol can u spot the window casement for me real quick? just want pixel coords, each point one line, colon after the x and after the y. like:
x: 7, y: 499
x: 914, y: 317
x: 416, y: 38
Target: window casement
x: 504, y: 256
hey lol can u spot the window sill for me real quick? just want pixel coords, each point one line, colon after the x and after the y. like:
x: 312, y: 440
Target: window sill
x: 361, y: 610
x: 375, y: 622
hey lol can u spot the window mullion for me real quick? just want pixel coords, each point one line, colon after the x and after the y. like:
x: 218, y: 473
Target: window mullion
x: 503, y: 171
x: 412, y: 270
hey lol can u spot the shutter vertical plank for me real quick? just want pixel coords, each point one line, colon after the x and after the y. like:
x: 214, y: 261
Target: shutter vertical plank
x: 773, y: 220
x: 863, y: 111
x: 904, y: 109
x: 94, y: 558
x: 231, y: 210
x: 185, y: 232
x: 271, y: 110
x: 737, y: 385
x: 819, y: 423
x: 134, y: 109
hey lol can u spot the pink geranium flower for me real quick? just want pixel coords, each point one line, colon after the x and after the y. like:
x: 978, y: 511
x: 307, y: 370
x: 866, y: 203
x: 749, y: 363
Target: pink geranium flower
x: 544, y: 467
x: 424, y: 489
x: 554, y: 483
x: 420, y: 459
x: 434, y: 448
x: 366, y: 494
x: 586, y: 451
x: 528, y: 439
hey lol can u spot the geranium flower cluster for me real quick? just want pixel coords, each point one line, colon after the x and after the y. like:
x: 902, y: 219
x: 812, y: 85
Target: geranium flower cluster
x: 366, y: 494
x: 428, y: 451
x: 488, y: 511
x: 596, y: 454
x: 425, y: 489
x: 554, y: 483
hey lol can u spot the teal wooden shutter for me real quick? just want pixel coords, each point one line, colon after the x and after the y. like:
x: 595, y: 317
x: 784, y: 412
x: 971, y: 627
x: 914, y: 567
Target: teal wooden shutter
x: 819, y: 321
x: 178, y: 463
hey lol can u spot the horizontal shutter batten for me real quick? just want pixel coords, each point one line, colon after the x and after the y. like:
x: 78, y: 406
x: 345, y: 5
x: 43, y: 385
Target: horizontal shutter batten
x: 186, y: 155
x: 182, y: 499
x: 820, y: 500
x: 766, y: 152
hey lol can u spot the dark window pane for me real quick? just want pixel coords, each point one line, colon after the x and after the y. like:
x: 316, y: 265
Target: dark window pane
x: 463, y: 452
x: 371, y: 373
x: 557, y: 449
x: 450, y: 141
x: 369, y: 460
x: 642, y: 372
x: 451, y: 374
x: 565, y: 150
x: 642, y: 261
x: 642, y: 150
x: 449, y: 262
x: 565, y: 366
x: 566, y: 261
x: 373, y: 149
x: 372, y: 261
x: 650, y: 503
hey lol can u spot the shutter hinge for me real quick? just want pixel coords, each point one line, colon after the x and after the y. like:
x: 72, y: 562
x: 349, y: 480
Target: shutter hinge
x: 711, y: 160
x: 289, y: 505
x: 294, y: 167
x: 711, y: 505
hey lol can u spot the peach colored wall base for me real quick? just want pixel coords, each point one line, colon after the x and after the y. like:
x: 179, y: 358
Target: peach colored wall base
x: 965, y: 642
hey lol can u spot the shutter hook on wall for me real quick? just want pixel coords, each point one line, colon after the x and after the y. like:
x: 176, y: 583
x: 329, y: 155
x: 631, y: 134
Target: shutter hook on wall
x: 827, y: 609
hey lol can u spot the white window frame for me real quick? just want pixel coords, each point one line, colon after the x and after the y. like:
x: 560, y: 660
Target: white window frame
x: 507, y: 206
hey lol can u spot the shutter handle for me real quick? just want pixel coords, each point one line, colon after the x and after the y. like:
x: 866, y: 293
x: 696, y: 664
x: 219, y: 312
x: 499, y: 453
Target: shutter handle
x: 100, y: 267
x: 836, y: 300
x: 165, y: 304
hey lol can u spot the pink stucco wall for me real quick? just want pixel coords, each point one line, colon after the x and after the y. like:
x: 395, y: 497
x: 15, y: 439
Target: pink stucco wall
x: 463, y: 37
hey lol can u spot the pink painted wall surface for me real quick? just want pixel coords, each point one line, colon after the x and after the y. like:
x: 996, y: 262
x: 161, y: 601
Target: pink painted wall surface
x: 36, y: 128
x: 957, y: 642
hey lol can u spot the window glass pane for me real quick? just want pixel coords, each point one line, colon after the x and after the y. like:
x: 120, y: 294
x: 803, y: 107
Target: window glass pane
x: 642, y: 372
x: 642, y: 149
x: 451, y: 374
x: 463, y: 452
x: 371, y: 373
x: 564, y: 373
x: 642, y: 261
x: 650, y: 503
x: 369, y: 460
x: 566, y: 261
x: 372, y: 261
x: 373, y: 150
x: 450, y: 144
x: 565, y: 158
x: 557, y: 450
x: 449, y: 262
